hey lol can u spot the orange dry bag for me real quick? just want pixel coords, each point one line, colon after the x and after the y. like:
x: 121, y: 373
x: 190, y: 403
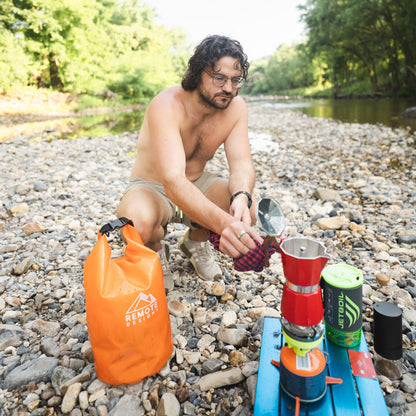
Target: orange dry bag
x: 127, y: 314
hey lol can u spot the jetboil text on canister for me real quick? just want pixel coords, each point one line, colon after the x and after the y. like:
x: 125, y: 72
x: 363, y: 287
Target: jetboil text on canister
x: 342, y: 296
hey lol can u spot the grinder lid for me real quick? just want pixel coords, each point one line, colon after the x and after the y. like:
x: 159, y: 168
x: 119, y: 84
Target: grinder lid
x: 342, y: 276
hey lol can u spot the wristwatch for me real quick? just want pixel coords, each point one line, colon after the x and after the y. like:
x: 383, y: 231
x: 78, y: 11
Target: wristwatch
x: 250, y: 201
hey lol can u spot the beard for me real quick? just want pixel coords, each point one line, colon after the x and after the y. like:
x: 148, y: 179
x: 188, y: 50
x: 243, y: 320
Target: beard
x: 220, y: 100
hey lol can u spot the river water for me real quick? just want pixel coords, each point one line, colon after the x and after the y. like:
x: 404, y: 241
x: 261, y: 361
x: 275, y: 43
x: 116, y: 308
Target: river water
x: 385, y: 111
x: 374, y: 111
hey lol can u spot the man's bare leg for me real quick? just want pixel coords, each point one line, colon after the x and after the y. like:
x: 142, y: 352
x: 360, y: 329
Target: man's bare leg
x: 148, y: 213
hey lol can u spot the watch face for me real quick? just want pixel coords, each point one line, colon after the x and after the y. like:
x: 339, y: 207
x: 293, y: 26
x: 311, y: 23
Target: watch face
x: 270, y: 216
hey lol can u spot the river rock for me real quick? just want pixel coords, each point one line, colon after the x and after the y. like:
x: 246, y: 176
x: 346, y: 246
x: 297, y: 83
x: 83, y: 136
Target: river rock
x: 23, y: 266
x: 221, y: 378
x: 33, y: 227
x: 70, y: 398
x: 233, y: 336
x: 383, y: 279
x: 333, y: 223
x: 35, y: 371
x: 168, y: 406
x: 128, y: 405
x: 10, y: 335
x: 409, y: 112
x: 325, y: 194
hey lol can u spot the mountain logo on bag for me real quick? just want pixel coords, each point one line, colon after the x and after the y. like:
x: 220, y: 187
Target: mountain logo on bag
x: 144, y: 307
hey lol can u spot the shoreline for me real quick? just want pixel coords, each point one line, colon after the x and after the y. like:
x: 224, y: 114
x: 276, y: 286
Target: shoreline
x: 56, y: 195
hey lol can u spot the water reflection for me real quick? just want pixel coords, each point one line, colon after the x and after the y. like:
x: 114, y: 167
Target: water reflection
x: 113, y: 124
x: 373, y: 111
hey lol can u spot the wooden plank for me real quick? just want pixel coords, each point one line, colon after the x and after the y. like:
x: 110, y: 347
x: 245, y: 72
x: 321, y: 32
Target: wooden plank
x: 371, y: 395
x: 268, y: 377
x: 345, y: 398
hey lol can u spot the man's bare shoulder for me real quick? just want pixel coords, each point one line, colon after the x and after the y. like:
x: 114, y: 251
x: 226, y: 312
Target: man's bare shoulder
x: 170, y: 100
x: 238, y: 104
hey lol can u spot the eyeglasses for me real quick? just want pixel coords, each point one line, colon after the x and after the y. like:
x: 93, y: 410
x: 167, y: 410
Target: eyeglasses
x: 219, y: 80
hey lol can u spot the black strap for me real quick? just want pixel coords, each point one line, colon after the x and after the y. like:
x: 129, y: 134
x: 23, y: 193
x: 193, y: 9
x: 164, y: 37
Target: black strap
x: 246, y: 194
x: 115, y: 225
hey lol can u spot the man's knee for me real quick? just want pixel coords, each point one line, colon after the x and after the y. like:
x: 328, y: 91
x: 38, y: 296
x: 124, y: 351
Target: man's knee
x: 146, y: 215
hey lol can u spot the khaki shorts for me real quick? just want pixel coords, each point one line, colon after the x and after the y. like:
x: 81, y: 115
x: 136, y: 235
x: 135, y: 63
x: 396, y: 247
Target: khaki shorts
x: 175, y: 214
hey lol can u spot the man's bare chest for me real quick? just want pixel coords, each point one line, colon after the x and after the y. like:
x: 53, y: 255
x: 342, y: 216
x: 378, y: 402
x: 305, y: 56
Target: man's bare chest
x: 202, y: 142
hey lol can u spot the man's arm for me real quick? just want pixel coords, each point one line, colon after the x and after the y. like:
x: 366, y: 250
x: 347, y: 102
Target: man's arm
x: 242, y: 174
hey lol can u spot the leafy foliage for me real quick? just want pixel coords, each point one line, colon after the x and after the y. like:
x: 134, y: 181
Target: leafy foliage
x: 88, y: 45
x: 352, y: 44
x: 372, y: 39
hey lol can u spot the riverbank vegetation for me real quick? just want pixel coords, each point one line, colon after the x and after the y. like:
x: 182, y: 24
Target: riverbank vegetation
x: 112, y: 52
x: 353, y: 47
x: 88, y: 47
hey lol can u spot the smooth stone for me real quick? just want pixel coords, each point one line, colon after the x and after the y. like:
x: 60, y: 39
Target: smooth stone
x: 212, y: 365
x: 221, y: 378
x: 383, y: 279
x: 50, y: 347
x: 205, y: 341
x: 37, y: 370
x: 250, y: 368
x: 229, y: 319
x: 408, y: 384
x: 168, y: 406
x: 45, y: 327
x: 233, y: 336
x: 71, y: 397
x: 388, y: 368
x: 10, y: 336
x: 325, y: 194
x: 33, y: 227
x: 332, y: 223
x: 178, y: 309
x: 19, y: 208
x: 23, y: 266
x: 128, y: 405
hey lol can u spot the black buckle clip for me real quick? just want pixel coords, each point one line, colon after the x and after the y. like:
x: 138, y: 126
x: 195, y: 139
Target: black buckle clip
x: 115, y: 225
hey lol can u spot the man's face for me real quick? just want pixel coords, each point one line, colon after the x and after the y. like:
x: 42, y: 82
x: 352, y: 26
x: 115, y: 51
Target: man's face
x: 219, y: 96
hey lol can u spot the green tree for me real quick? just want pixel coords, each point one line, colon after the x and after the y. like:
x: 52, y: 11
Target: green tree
x: 288, y: 68
x: 89, y: 45
x: 372, y: 39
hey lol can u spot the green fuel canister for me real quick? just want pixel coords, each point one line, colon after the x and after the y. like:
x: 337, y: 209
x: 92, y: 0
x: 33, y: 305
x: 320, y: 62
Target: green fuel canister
x: 342, y: 298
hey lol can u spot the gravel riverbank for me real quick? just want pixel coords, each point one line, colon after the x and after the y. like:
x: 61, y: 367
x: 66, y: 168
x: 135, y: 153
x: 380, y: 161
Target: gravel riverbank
x: 350, y: 186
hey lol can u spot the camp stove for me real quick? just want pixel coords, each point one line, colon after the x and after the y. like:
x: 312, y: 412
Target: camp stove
x: 302, y: 364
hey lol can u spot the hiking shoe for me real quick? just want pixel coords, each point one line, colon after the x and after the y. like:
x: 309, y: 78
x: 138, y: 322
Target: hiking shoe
x: 163, y: 254
x: 200, y: 255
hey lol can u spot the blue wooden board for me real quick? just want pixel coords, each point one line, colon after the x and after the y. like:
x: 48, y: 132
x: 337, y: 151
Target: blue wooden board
x: 356, y: 396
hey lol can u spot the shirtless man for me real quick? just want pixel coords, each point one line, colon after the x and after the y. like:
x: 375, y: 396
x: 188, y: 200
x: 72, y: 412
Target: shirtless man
x: 182, y: 129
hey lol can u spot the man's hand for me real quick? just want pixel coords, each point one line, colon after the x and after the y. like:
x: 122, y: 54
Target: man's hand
x: 240, y: 211
x: 237, y: 239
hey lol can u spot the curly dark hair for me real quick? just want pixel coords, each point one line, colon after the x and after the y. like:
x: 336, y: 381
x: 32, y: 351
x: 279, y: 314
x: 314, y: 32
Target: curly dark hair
x: 207, y: 53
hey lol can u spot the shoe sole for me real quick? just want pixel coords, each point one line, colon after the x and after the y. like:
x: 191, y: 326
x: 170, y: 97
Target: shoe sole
x: 184, y: 250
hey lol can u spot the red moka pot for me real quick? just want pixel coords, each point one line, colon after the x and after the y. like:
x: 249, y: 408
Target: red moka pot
x: 302, y: 309
x: 303, y: 260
